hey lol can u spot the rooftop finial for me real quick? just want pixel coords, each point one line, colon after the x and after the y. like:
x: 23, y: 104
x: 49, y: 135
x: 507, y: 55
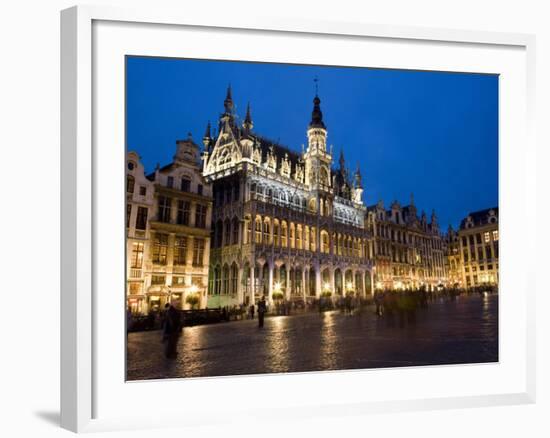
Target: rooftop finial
x: 316, y: 80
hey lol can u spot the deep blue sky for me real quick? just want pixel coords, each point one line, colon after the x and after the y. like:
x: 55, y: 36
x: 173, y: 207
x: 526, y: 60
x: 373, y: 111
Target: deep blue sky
x: 429, y: 133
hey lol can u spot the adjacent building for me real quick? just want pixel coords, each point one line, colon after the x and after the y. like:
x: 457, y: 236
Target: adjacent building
x: 478, y: 240
x: 169, y: 229
x: 286, y: 223
x: 409, y: 251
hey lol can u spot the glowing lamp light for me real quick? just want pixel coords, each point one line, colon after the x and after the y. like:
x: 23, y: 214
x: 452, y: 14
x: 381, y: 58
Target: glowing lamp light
x: 277, y: 287
x: 326, y: 286
x: 349, y: 285
x: 194, y: 288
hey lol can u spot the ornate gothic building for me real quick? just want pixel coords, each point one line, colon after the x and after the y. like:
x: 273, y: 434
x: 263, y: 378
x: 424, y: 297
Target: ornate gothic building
x: 284, y: 223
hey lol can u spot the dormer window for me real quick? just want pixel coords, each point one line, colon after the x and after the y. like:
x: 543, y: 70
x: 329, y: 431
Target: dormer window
x: 170, y: 182
x: 131, y: 165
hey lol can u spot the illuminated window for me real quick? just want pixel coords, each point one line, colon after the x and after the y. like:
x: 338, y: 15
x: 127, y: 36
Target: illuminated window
x: 198, y: 252
x: 160, y: 248
x: 258, y: 229
x: 495, y: 235
x: 180, y: 251
x: 137, y: 255
x: 486, y: 236
x: 158, y: 279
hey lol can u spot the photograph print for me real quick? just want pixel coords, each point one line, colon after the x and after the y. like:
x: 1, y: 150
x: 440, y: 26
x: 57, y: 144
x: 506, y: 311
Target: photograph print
x: 285, y: 218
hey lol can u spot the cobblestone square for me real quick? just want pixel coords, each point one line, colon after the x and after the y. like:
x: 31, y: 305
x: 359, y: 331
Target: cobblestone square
x: 447, y: 332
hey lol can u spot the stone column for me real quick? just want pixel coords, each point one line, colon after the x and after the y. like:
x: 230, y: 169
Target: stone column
x: 317, y: 280
x: 252, y: 282
x: 287, y: 291
x: 304, y: 286
x: 270, y: 284
x: 240, y: 294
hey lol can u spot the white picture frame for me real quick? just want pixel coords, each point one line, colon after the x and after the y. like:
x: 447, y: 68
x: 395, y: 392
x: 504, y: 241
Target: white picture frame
x: 81, y: 366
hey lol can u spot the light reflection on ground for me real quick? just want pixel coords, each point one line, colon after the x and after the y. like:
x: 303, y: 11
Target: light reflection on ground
x: 448, y: 332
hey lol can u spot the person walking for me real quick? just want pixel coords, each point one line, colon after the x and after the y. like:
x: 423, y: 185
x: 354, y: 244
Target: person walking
x: 171, y: 331
x: 262, y: 308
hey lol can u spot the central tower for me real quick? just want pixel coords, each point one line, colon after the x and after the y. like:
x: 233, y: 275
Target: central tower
x: 317, y: 159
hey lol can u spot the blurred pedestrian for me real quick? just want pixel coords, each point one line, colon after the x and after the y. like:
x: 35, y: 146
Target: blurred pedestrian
x: 171, y: 331
x: 262, y: 308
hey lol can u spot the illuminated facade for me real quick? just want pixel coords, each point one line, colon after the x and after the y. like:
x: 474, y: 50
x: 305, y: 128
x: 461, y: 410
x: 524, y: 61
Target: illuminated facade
x: 408, y: 250
x: 285, y: 224
x: 478, y: 239
x: 169, y: 228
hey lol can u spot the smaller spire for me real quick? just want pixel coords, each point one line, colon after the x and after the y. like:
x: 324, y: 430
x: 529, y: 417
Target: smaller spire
x: 207, y: 139
x: 412, y: 199
x: 228, y: 102
x: 247, y: 124
x: 342, y: 160
x: 358, y: 179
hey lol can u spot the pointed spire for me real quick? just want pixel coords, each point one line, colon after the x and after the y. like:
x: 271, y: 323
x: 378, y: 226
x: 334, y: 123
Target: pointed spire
x: 247, y: 124
x: 358, y: 179
x: 228, y: 102
x: 207, y: 134
x: 342, y: 160
x: 412, y: 200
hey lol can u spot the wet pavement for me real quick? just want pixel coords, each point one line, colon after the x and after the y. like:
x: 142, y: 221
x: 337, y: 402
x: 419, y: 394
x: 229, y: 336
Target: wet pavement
x: 447, y: 332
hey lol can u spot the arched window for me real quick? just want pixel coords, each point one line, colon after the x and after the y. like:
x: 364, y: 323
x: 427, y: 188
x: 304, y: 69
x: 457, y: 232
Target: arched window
x: 217, y: 280
x: 227, y: 232
x: 258, y: 229
x: 234, y: 278
x: 325, y: 242
x: 313, y: 239
x: 299, y: 237
x: 267, y: 231
x: 284, y: 231
x: 275, y: 232
x: 225, y: 279
x: 306, y: 238
x: 292, y: 235
x: 235, y: 231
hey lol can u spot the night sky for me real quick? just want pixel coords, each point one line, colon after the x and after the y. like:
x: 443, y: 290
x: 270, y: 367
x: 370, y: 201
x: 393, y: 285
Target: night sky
x: 428, y: 133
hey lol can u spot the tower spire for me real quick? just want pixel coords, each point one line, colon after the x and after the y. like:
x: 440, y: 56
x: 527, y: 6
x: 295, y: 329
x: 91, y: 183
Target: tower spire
x: 317, y: 114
